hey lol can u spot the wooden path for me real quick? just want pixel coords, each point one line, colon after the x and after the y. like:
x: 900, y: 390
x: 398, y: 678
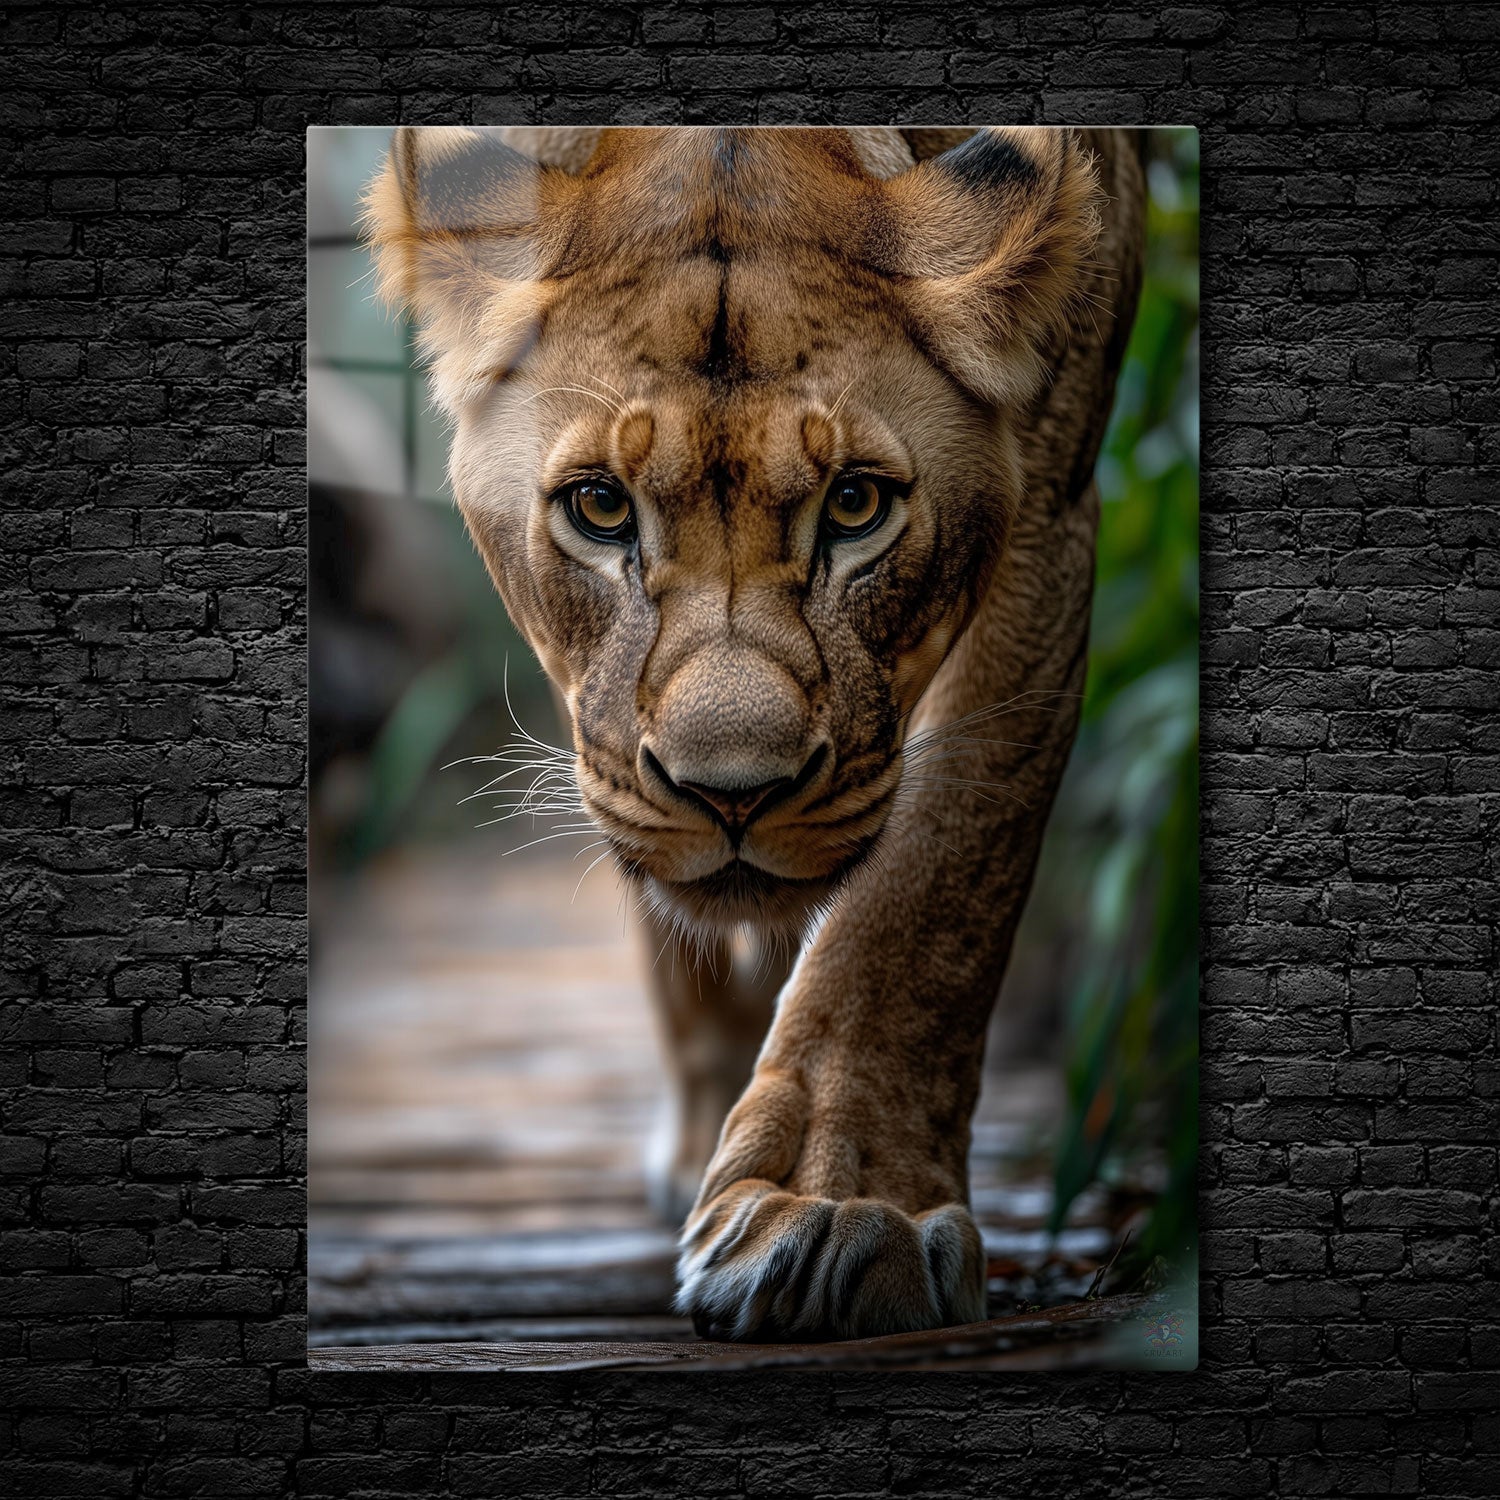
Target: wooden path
x: 484, y: 1085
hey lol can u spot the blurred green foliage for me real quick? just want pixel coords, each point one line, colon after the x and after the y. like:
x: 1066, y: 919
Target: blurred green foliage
x: 1126, y: 829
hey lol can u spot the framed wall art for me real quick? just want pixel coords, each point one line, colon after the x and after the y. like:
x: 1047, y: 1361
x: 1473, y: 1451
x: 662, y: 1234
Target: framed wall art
x: 754, y: 721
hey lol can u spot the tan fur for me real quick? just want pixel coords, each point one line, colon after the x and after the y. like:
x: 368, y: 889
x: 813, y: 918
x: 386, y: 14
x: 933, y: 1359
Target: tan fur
x: 713, y: 1008
x: 726, y: 320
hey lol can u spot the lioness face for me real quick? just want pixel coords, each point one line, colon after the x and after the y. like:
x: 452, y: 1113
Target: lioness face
x: 741, y: 545
x: 736, y: 497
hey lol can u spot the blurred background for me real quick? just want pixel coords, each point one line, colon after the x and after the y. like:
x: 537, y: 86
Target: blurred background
x: 484, y: 1083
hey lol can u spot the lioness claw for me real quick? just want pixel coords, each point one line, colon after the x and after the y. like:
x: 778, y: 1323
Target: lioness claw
x: 763, y: 1264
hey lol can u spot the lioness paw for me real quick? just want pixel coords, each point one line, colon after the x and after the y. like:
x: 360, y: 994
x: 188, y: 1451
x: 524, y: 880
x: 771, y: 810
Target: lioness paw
x: 761, y: 1263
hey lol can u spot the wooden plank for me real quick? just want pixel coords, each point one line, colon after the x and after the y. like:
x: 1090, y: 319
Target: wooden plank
x: 575, y: 1275
x: 1028, y: 1340
x: 556, y: 1330
x: 456, y: 1283
x: 592, y: 1291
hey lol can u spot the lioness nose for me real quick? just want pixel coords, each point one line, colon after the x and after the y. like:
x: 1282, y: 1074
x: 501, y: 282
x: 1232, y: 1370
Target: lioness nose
x: 736, y: 806
x: 731, y: 732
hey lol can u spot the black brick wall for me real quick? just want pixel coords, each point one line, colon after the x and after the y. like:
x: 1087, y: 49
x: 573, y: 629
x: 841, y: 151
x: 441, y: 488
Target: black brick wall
x: 152, y: 1148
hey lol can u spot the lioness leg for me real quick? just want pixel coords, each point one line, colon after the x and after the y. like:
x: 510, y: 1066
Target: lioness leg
x: 713, y: 1010
x: 836, y: 1204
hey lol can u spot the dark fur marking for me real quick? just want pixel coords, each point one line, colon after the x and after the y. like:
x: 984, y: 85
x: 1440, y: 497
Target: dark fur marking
x: 843, y: 820
x: 865, y: 569
x: 721, y: 362
x: 727, y: 152
x: 724, y: 475
x: 988, y: 161
x: 922, y: 578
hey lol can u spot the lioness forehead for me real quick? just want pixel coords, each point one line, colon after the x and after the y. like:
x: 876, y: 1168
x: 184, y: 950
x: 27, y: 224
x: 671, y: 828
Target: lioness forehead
x: 730, y: 256
x: 727, y: 318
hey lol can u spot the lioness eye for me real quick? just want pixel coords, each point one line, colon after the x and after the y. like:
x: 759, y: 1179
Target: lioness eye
x: 601, y: 510
x: 856, y: 505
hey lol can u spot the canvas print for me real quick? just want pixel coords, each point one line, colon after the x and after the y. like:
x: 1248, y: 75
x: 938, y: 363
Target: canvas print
x: 754, y: 727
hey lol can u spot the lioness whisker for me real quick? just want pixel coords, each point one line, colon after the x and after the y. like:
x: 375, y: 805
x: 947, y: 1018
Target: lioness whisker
x: 925, y: 778
x: 518, y: 796
x: 1013, y: 704
x: 505, y: 757
x: 532, y: 800
x: 563, y: 833
x: 939, y: 757
x: 533, y: 792
x: 494, y: 786
x: 976, y: 739
x: 574, y: 390
x: 534, y: 813
x: 900, y: 823
x: 978, y: 788
x: 833, y: 410
x: 596, y: 859
x: 525, y: 733
x: 600, y: 380
x: 545, y: 787
x: 543, y: 755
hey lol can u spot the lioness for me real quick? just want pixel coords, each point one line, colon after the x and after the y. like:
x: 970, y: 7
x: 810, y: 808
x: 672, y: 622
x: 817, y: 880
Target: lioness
x: 779, y: 446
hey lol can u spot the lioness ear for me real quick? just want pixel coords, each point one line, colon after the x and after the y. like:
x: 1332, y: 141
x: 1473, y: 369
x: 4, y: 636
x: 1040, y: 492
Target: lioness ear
x: 996, y: 236
x: 464, y: 230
